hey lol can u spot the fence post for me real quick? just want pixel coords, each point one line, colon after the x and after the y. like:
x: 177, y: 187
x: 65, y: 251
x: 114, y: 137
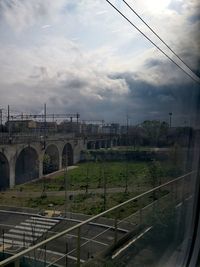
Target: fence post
x: 140, y: 212
x: 45, y: 255
x: 183, y: 190
x: 172, y: 192
x: 35, y: 258
x: 176, y: 191
x: 24, y: 244
x: 78, y: 247
x: 17, y: 263
x: 3, y: 248
x: 66, y: 251
x: 115, y: 237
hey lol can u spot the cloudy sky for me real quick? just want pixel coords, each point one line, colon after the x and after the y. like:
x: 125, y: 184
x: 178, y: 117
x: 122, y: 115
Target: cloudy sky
x: 81, y: 56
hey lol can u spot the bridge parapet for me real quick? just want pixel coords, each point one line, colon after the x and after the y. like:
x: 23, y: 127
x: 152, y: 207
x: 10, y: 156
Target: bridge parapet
x: 5, y: 138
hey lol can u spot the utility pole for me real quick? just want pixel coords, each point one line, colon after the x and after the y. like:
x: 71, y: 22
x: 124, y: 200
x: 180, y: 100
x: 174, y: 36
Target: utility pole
x: 1, y: 119
x: 9, y: 120
x: 170, y: 119
x: 127, y: 130
x: 43, y: 194
x: 65, y: 180
x: 45, y: 124
x: 126, y: 177
x: 45, y: 119
x: 77, y: 117
x: 105, y: 188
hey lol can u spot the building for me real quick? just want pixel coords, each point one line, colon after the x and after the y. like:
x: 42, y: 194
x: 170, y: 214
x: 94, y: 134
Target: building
x: 20, y: 125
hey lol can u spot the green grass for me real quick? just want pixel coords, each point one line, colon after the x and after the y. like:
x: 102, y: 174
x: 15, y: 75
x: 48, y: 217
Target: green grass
x: 90, y: 204
x: 93, y: 174
x: 123, y: 149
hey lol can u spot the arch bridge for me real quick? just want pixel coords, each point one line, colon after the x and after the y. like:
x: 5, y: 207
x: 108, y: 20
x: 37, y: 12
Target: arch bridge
x: 26, y: 158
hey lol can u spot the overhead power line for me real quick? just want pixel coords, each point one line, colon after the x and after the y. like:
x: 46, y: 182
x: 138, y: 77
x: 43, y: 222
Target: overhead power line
x: 196, y: 79
x: 153, y: 31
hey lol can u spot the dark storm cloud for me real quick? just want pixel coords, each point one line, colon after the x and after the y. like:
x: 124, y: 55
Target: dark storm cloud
x: 143, y: 100
x: 194, y: 18
x: 76, y: 83
x: 153, y: 63
x: 146, y: 99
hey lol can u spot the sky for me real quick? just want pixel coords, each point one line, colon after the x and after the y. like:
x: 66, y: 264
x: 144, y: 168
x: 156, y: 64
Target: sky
x: 82, y: 56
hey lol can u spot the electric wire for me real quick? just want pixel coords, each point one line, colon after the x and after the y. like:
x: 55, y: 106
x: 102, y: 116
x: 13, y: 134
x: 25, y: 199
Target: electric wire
x: 153, y: 31
x: 165, y: 54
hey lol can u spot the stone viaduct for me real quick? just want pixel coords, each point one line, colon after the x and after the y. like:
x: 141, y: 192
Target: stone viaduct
x: 25, y: 158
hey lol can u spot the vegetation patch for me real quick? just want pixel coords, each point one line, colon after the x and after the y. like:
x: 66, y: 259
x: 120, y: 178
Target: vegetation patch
x: 94, y: 187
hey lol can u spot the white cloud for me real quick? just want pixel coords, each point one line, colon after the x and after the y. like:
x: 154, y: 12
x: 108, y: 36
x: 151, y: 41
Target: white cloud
x: 64, y: 53
x: 46, y: 26
x: 21, y: 14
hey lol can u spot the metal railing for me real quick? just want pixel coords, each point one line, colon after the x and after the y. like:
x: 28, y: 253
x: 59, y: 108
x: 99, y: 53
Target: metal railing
x: 179, y: 192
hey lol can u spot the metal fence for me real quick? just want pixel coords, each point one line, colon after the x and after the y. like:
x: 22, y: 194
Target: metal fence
x: 85, y: 240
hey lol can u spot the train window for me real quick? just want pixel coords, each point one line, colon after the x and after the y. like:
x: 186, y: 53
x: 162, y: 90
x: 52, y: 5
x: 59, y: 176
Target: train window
x: 99, y: 133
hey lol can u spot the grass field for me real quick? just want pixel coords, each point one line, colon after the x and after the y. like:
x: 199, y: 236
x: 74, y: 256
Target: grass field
x: 93, y: 176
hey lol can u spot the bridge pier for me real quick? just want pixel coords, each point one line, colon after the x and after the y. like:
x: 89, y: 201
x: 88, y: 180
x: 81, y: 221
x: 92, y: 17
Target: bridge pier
x: 40, y: 166
x: 12, y: 174
x: 60, y: 162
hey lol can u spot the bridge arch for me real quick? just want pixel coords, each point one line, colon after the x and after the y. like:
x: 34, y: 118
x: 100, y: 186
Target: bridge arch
x: 4, y: 172
x: 51, y: 159
x: 27, y: 165
x: 67, y: 155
